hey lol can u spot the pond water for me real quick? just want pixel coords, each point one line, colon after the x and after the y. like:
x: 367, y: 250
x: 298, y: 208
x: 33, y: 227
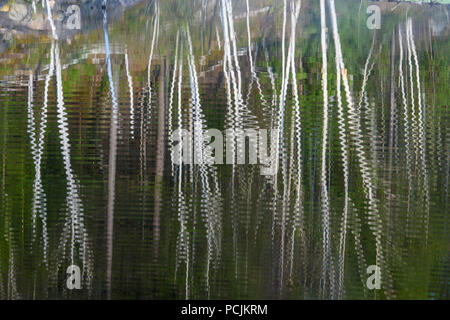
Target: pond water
x: 358, y: 138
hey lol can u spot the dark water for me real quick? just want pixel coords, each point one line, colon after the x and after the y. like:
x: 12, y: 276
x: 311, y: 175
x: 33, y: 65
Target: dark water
x: 87, y: 177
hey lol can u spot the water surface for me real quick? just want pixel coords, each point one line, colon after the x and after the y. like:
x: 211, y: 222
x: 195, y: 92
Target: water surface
x: 363, y: 156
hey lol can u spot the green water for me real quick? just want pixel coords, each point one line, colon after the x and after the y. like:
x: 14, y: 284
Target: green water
x: 87, y: 178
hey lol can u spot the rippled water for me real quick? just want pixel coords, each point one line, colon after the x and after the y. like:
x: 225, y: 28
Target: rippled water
x: 87, y: 176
